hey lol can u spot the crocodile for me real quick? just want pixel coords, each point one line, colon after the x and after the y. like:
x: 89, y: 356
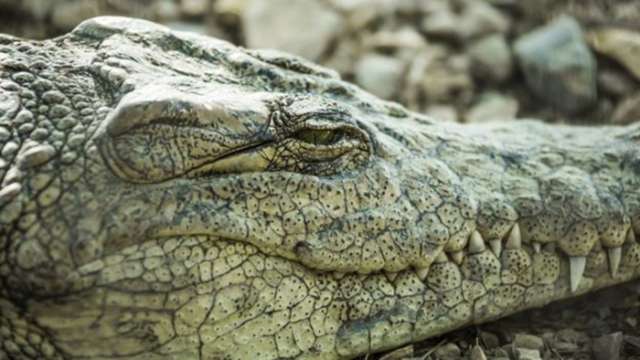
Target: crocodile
x: 166, y: 195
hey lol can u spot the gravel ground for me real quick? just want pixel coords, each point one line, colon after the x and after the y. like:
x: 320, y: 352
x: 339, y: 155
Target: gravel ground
x: 457, y: 60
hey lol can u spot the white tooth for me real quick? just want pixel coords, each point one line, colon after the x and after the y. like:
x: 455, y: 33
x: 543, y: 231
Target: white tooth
x: 631, y: 236
x: 422, y: 272
x: 615, y: 254
x: 496, y: 246
x: 442, y: 258
x: 339, y: 275
x: 476, y: 243
x: 536, y: 247
x: 514, y: 241
x: 576, y: 268
x: 457, y: 257
x: 391, y: 276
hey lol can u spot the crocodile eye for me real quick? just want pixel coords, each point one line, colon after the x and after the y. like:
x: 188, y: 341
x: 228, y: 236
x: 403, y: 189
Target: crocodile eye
x: 319, y: 136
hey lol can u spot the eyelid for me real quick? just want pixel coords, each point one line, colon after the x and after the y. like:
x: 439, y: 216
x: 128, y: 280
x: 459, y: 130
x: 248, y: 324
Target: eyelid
x: 163, y: 103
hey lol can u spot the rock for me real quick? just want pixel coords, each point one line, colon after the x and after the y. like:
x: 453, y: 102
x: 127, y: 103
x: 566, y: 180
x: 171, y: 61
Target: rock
x: 528, y: 342
x: 493, y: 107
x: 194, y: 7
x: 489, y: 339
x: 632, y: 340
x: 627, y: 111
x: 379, y: 74
x: 619, y: 44
x: 615, y: 83
x: 568, y: 341
x: 393, y: 40
x: 445, y: 113
x: 448, y: 351
x: 631, y: 321
x: 66, y: 15
x: 480, y: 18
x: 441, y: 24
x: 491, y: 59
x: 446, y: 76
x: 564, y: 347
x: 287, y: 25
x: 399, y: 354
x: 558, y: 66
x: 474, y: 19
x: 608, y: 347
x: 527, y: 354
x: 345, y: 55
x: 230, y: 7
x: 477, y: 353
x: 39, y: 9
x: 167, y: 10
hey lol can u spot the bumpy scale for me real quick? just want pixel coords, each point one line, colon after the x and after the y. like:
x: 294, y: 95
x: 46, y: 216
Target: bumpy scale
x: 168, y: 195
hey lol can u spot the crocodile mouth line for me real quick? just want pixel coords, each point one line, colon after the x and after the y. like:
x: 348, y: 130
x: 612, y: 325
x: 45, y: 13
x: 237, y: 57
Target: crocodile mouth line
x: 180, y: 253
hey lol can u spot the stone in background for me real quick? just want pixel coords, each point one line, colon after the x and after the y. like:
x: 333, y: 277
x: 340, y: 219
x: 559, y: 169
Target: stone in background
x: 459, y: 60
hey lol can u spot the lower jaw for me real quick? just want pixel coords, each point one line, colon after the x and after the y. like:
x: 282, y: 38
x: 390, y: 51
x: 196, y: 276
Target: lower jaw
x: 248, y: 295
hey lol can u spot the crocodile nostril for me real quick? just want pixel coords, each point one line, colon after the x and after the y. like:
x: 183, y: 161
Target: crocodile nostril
x: 302, y: 249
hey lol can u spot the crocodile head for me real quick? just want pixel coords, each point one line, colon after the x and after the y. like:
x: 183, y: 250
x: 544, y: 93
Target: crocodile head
x: 168, y: 195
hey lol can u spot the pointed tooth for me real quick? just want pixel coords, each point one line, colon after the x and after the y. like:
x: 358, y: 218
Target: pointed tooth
x: 615, y: 254
x: 631, y: 236
x: 515, y: 240
x: 422, y: 272
x: 457, y: 257
x: 391, y: 276
x: 339, y: 275
x: 576, y: 268
x: 496, y: 247
x: 476, y: 243
x: 442, y: 258
x: 536, y: 247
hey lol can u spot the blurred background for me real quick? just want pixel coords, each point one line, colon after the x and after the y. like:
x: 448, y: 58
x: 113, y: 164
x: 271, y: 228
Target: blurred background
x: 459, y: 60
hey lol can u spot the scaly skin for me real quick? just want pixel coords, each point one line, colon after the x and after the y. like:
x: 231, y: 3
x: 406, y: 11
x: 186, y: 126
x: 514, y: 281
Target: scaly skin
x: 170, y: 196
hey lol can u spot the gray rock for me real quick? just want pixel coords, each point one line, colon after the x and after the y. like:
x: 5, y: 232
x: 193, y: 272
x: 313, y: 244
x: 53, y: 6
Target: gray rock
x: 230, y: 7
x: 558, y: 66
x: 489, y: 339
x: 607, y: 347
x: 302, y: 27
x: 194, y: 7
x: 480, y: 18
x: 527, y: 354
x: 627, y: 111
x: 167, y: 10
x: 399, y: 354
x: 379, y: 74
x: 474, y: 19
x: 446, y: 76
x: 620, y: 45
x: 616, y: 83
x: 448, y: 351
x: 493, y: 107
x: 528, y: 342
x: 491, y: 58
x: 441, y: 24
x: 477, y: 353
x: 67, y: 15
